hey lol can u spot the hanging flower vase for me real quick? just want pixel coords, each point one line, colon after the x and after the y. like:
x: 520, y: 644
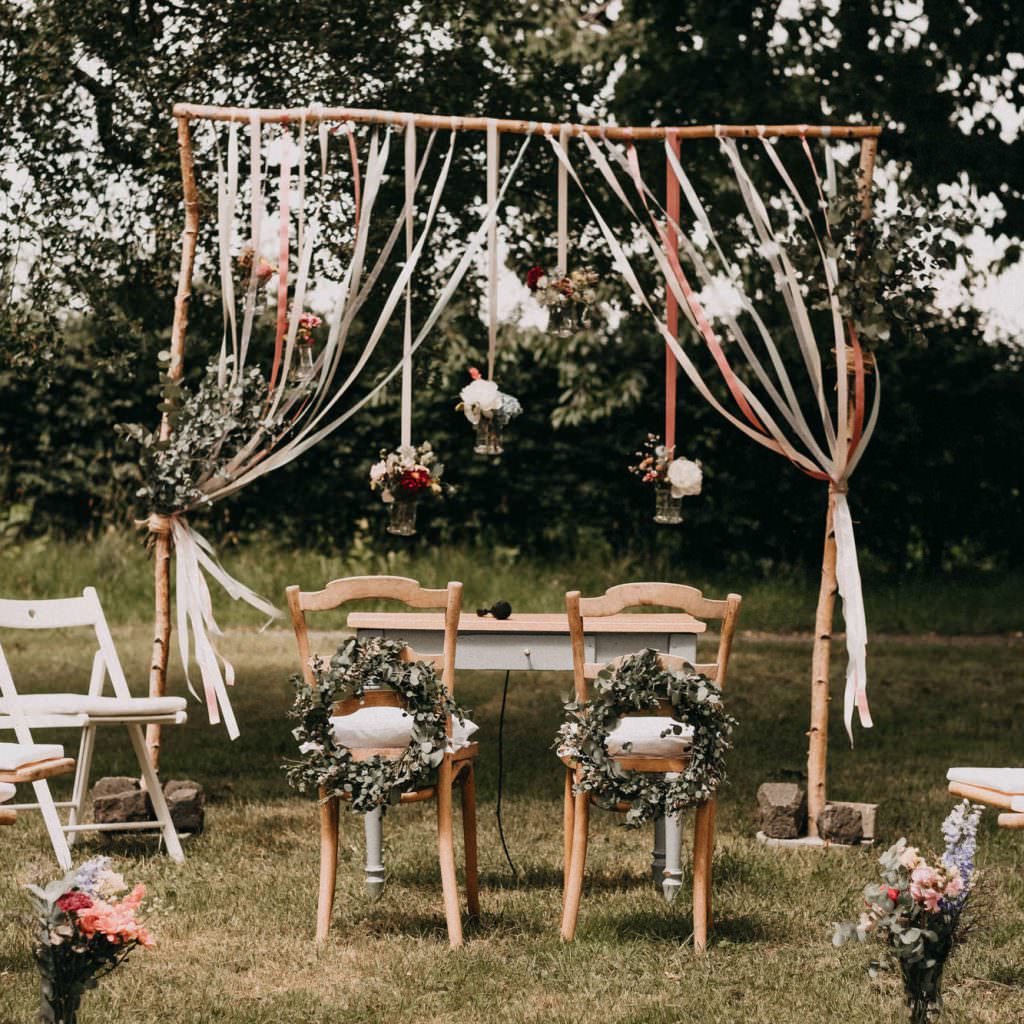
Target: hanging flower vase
x: 488, y: 437
x: 402, y: 517
x: 667, y: 510
x: 301, y: 371
x: 560, y: 321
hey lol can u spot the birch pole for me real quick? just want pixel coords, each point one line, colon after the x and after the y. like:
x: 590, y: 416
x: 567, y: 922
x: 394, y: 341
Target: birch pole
x: 817, y: 750
x: 159, y: 525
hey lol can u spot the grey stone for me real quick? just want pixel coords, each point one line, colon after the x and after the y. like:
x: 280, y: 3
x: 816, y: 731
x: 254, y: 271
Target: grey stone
x: 186, y: 801
x: 783, y: 807
x: 868, y: 816
x: 841, y: 823
x: 114, y: 784
x: 119, y: 799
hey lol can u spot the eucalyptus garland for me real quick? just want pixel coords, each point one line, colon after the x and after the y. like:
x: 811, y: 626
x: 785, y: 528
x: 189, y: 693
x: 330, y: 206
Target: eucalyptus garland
x: 211, y: 423
x: 637, y: 684
x: 356, y: 667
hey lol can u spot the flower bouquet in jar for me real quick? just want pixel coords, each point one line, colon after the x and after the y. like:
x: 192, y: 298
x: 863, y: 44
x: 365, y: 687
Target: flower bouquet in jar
x: 489, y: 410
x: 404, y: 477
x: 673, y: 479
x: 918, y: 910
x: 569, y: 299
x: 85, y: 930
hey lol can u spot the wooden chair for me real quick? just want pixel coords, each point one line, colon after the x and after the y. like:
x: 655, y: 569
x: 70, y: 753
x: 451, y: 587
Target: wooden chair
x: 576, y: 814
x: 23, y: 712
x: 1002, y: 788
x: 457, y: 766
x: 24, y: 763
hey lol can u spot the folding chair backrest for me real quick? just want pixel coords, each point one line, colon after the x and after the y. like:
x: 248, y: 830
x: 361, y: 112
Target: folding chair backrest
x: 66, y: 613
x: 616, y: 599
x: 387, y: 588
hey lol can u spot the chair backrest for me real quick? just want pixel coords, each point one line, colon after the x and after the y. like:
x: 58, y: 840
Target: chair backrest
x: 66, y: 613
x: 386, y: 588
x: 616, y: 599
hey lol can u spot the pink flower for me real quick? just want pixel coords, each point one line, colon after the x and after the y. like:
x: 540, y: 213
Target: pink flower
x: 116, y: 922
x: 955, y: 885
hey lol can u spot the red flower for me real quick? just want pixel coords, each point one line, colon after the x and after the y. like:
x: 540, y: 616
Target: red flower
x: 412, y: 481
x: 534, y: 274
x: 893, y: 894
x: 475, y: 373
x: 75, y: 900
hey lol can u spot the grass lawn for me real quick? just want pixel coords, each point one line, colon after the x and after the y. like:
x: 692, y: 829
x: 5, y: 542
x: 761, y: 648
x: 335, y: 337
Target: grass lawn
x: 235, y: 922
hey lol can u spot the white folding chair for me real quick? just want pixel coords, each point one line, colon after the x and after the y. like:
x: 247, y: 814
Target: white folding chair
x: 23, y: 713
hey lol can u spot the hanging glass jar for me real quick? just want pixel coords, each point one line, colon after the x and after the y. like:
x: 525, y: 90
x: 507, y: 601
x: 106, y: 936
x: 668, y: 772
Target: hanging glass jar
x: 301, y: 371
x: 488, y: 437
x: 402, y: 517
x: 667, y: 509
x: 560, y: 320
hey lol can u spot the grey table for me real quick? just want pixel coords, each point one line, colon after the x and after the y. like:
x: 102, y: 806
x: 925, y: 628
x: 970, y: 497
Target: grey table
x: 538, y: 642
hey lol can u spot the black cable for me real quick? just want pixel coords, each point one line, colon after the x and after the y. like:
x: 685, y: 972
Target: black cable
x: 501, y: 772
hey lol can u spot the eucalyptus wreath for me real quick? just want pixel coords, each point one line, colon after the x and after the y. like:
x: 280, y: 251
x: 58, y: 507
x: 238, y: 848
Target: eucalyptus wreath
x: 637, y: 684
x: 356, y: 667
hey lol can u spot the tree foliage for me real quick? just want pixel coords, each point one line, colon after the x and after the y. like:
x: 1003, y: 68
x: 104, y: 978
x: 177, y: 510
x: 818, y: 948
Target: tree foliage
x: 92, y: 201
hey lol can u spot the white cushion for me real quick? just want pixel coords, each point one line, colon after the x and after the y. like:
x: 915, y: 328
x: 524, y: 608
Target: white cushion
x: 14, y: 755
x: 96, y: 707
x: 6, y: 791
x: 1007, y: 781
x: 388, y: 727
x: 644, y: 732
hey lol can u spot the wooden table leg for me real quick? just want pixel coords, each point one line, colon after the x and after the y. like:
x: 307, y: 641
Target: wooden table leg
x: 658, y: 852
x: 373, y: 826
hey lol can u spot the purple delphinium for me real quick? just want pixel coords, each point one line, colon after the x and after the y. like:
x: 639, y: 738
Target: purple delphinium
x: 87, y: 875
x: 960, y: 831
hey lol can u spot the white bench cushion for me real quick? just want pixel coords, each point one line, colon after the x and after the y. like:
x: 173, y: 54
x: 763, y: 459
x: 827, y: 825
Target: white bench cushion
x: 96, y: 707
x: 1007, y: 781
x: 643, y: 732
x: 6, y: 791
x: 388, y: 727
x: 14, y: 755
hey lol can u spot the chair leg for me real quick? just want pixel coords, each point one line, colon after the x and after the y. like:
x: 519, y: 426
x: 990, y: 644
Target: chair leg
x: 701, y: 877
x: 568, y: 812
x: 81, y: 787
x: 446, y: 853
x: 328, y: 864
x: 710, y: 840
x: 156, y: 794
x: 54, y: 829
x: 574, y: 890
x: 469, y: 840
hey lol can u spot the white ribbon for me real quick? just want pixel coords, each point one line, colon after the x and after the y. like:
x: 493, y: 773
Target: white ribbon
x: 410, y: 239
x: 852, y: 595
x: 493, y: 151
x: 194, y: 609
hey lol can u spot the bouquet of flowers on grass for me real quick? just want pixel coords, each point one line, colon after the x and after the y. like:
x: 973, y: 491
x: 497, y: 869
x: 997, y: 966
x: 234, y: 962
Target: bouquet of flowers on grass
x: 657, y: 465
x: 406, y: 474
x: 83, y: 933
x: 918, y: 910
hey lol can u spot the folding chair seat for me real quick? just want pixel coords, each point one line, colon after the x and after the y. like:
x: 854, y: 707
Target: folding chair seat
x: 382, y: 732
x: 998, y: 787
x: 24, y: 712
x: 648, y: 750
x: 27, y: 762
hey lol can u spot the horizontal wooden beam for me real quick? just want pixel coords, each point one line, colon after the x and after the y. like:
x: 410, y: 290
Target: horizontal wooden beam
x: 281, y: 115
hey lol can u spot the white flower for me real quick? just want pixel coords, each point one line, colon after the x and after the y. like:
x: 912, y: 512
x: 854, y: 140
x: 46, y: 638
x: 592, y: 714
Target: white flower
x: 542, y: 283
x: 378, y: 471
x: 685, y: 477
x: 480, y: 398
x: 406, y: 456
